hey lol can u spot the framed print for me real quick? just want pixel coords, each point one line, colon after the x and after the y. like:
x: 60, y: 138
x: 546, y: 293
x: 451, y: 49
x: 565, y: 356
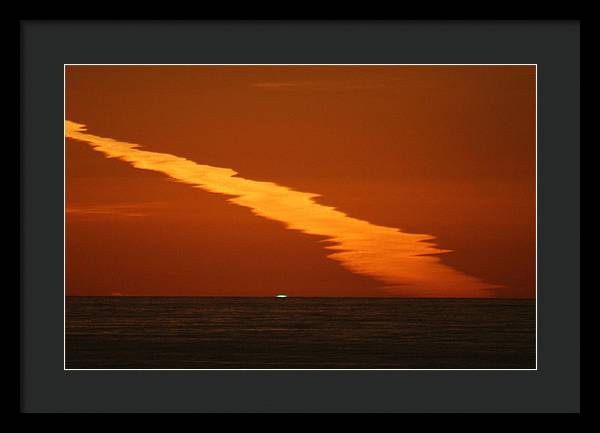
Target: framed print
x: 300, y: 209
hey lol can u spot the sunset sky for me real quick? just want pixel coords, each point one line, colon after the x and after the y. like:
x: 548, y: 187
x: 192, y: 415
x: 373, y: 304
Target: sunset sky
x: 305, y: 180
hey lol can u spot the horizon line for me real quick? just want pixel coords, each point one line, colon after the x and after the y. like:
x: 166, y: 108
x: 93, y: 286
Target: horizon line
x: 292, y: 296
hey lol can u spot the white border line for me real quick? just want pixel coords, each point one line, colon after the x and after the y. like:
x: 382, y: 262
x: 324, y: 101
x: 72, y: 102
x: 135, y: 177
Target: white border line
x: 64, y: 220
x: 536, y: 226
x: 298, y: 369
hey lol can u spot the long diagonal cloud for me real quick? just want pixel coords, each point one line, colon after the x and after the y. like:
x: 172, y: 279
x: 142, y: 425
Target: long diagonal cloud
x: 406, y: 263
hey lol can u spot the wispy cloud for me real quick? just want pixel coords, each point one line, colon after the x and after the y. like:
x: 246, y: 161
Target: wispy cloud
x: 276, y: 85
x: 348, y: 85
x: 407, y: 264
x: 127, y: 210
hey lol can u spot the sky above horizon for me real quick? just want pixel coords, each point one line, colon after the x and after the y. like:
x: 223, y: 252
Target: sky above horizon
x: 305, y: 180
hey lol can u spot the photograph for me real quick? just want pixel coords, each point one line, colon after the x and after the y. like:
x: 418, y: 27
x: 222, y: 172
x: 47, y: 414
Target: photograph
x: 300, y: 216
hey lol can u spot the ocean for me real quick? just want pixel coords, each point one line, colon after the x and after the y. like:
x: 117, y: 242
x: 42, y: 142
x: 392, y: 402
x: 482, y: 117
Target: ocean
x: 298, y: 333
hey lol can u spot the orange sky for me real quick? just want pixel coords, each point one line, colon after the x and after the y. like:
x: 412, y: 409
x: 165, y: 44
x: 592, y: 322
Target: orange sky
x: 398, y: 151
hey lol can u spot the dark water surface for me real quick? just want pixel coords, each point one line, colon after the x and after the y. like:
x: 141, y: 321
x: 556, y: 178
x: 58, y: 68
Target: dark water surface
x: 158, y: 332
